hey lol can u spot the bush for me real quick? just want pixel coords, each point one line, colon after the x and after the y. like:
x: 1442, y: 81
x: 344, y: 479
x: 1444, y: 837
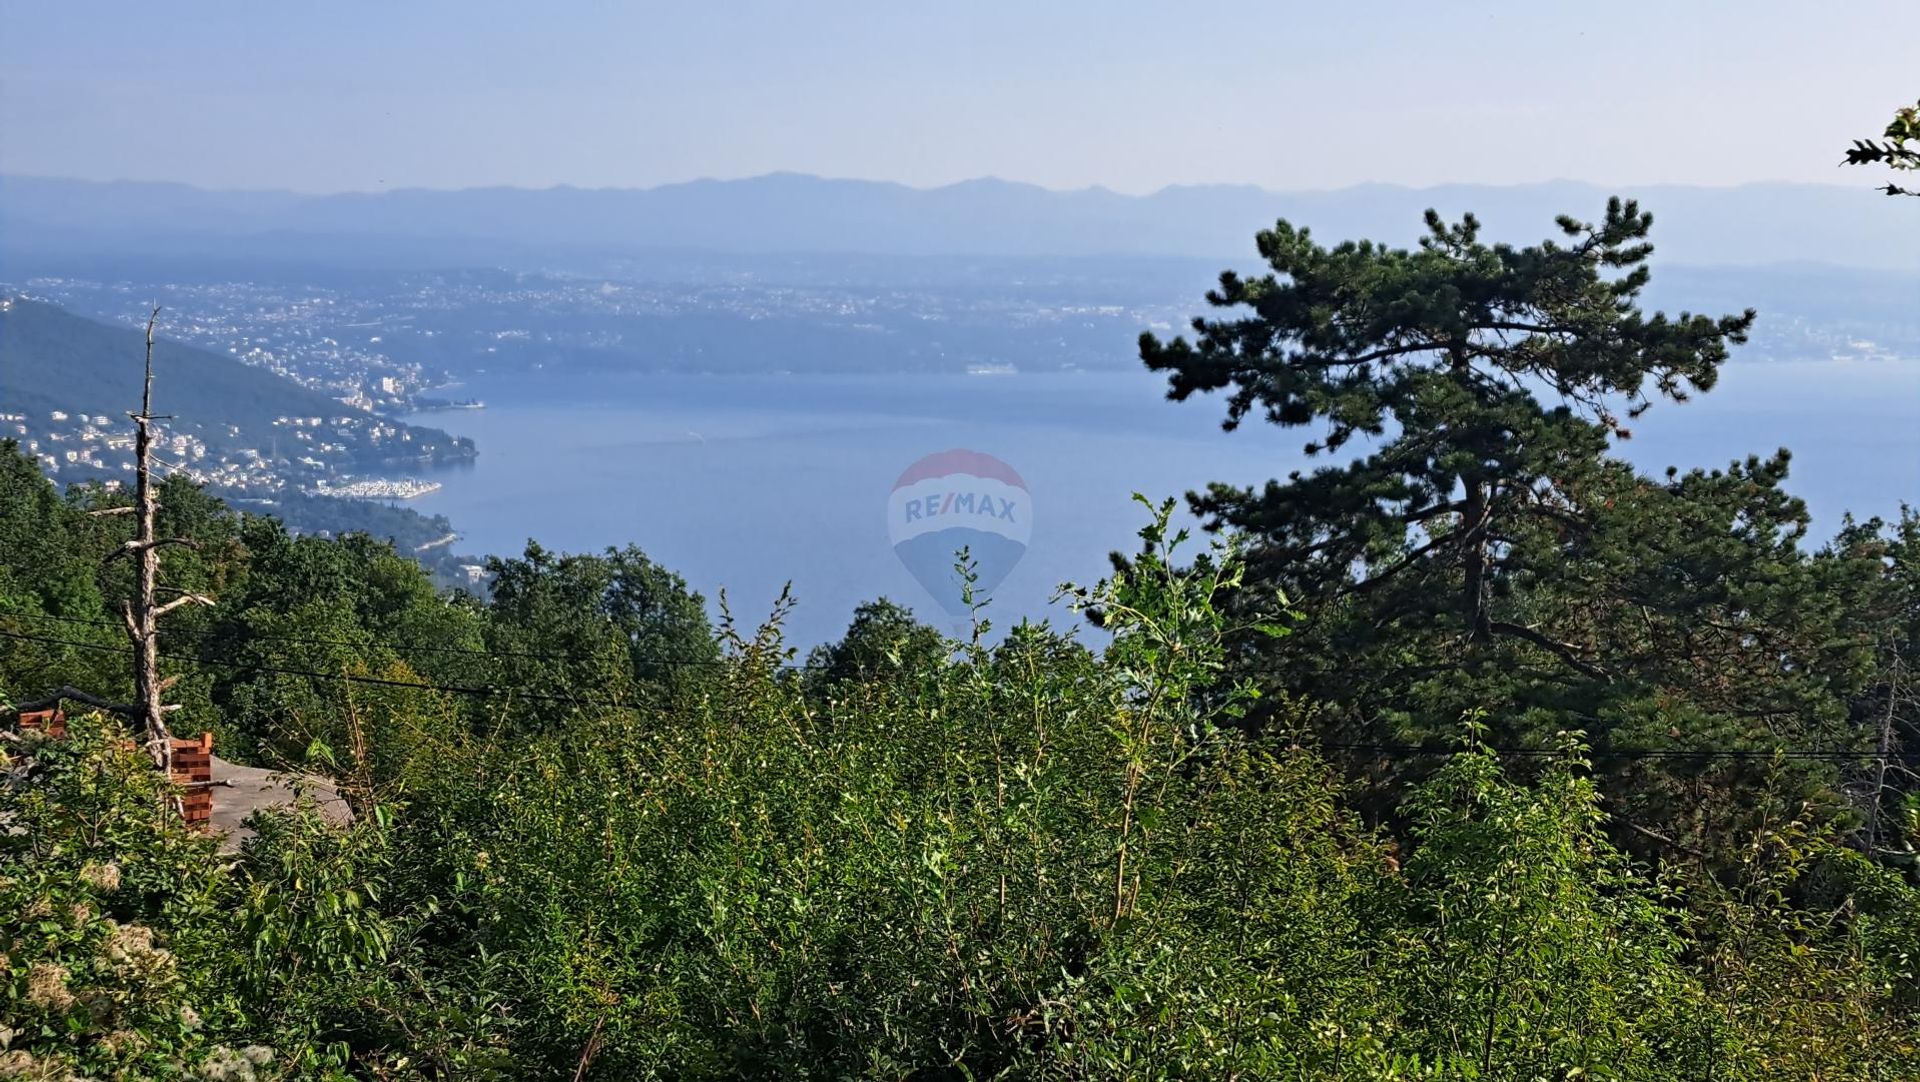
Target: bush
x: 1021, y: 861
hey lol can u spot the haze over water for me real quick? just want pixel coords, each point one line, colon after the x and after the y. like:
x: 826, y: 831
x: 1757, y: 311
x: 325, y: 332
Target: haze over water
x: 749, y: 482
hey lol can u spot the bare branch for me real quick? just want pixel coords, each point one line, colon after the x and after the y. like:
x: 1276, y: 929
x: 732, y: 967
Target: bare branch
x: 135, y: 547
x: 1664, y: 839
x: 159, y: 542
x: 183, y: 599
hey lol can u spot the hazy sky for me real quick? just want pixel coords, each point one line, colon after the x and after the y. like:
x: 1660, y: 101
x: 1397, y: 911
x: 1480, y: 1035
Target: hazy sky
x: 332, y: 95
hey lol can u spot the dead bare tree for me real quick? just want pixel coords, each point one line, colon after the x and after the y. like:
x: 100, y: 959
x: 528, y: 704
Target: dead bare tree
x: 144, y: 609
x: 1898, y: 698
x: 142, y: 612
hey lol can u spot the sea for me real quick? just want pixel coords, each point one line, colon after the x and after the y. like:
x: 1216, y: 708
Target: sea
x: 750, y: 485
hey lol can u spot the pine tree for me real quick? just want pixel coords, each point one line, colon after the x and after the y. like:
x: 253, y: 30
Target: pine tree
x: 1443, y: 354
x: 1486, y: 554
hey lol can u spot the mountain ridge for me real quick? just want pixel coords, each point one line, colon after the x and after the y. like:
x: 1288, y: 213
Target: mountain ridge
x: 1761, y: 222
x: 965, y: 182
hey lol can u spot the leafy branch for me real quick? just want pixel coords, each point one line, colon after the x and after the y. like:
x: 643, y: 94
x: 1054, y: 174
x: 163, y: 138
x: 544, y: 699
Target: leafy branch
x: 1899, y: 148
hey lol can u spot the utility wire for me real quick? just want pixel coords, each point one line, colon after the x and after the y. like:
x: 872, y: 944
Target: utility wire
x: 1404, y: 750
x: 395, y: 647
x: 1412, y: 750
x: 456, y: 689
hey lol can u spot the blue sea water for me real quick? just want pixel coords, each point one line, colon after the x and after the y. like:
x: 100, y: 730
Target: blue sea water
x: 747, y: 483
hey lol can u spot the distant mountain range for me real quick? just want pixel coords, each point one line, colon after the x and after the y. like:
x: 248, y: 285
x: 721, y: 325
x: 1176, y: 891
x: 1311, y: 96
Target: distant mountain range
x: 783, y: 212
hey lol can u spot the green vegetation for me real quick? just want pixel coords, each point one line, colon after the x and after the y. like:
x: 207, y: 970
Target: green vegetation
x: 1487, y: 554
x: 1897, y: 149
x: 1479, y: 756
x: 410, y: 532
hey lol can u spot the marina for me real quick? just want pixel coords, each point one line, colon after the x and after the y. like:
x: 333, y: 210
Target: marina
x: 377, y: 489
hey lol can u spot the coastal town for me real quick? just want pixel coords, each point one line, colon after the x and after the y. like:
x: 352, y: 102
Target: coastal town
x: 318, y: 455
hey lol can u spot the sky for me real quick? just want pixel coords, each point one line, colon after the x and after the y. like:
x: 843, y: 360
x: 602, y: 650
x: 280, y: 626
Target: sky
x: 363, y: 96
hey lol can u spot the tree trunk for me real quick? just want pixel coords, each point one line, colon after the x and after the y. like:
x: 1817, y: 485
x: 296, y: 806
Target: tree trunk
x: 1473, y: 543
x: 141, y: 621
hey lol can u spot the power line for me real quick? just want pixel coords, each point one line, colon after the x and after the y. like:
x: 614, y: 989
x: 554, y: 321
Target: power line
x: 1404, y: 750
x: 456, y: 689
x: 395, y: 647
x: 1415, y: 750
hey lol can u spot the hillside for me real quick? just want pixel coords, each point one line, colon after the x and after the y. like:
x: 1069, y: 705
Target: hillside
x: 52, y: 361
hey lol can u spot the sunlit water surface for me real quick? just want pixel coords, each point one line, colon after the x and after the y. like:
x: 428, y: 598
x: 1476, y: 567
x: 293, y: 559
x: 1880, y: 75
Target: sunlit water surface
x: 747, y: 483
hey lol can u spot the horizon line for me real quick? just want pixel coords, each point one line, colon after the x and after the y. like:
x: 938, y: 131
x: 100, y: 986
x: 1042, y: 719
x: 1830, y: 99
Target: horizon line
x: 984, y: 179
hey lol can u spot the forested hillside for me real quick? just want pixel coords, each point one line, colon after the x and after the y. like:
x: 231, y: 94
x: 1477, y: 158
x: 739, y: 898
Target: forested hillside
x: 1476, y: 755
x: 56, y: 360
x: 52, y: 360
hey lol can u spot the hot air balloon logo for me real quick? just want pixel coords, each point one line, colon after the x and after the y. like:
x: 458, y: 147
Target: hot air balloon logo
x: 953, y: 500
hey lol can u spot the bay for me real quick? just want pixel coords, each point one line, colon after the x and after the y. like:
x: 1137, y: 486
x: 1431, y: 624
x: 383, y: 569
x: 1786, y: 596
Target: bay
x: 747, y: 483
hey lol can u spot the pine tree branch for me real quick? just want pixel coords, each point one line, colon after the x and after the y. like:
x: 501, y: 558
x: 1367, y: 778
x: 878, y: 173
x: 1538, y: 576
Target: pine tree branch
x: 1566, y: 650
